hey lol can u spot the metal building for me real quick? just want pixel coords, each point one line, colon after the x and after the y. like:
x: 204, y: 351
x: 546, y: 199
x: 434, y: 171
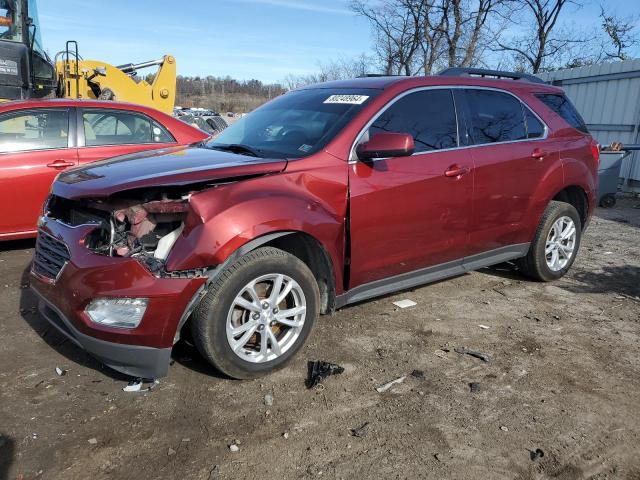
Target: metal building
x: 608, y: 97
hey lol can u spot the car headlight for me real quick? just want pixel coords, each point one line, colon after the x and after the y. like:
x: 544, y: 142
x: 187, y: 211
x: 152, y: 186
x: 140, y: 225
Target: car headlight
x: 117, y: 312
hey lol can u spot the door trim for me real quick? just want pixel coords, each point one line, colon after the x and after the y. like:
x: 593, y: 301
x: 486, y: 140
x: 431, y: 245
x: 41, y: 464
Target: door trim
x: 431, y: 274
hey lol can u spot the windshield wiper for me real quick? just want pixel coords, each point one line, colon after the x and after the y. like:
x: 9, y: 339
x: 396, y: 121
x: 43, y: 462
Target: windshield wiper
x: 238, y: 148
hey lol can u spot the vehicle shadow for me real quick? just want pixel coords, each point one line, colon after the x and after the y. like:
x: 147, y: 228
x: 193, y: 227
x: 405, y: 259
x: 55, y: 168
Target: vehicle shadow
x: 627, y: 212
x: 506, y: 270
x: 614, y: 279
x: 53, y: 338
x: 13, y: 245
x: 187, y: 355
x: 7, y: 451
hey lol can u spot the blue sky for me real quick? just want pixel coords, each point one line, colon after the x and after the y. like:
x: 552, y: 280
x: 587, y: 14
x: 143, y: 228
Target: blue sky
x: 263, y: 39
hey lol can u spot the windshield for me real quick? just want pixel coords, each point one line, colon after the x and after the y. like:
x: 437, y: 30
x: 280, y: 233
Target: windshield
x: 11, y: 20
x: 295, y: 125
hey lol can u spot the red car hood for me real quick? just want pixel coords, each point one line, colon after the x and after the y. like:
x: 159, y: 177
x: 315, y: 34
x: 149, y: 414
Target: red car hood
x: 157, y: 168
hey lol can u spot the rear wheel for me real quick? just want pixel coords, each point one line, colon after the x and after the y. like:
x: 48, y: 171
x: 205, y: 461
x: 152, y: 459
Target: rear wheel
x: 258, y: 313
x: 555, y: 244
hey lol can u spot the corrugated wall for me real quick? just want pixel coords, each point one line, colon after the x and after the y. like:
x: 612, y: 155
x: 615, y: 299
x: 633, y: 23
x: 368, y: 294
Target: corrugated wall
x: 608, y: 97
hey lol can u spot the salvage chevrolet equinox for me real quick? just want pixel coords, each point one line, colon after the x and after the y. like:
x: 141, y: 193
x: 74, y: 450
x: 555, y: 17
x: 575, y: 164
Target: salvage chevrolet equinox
x: 328, y: 195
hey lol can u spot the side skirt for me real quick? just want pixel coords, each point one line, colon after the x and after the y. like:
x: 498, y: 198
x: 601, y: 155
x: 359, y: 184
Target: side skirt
x: 431, y: 274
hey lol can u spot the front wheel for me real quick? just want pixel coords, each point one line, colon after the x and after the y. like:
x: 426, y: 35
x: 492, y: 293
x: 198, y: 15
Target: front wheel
x: 257, y: 314
x: 555, y: 243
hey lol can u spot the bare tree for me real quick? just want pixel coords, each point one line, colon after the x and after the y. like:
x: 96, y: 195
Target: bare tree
x: 465, y: 25
x: 620, y: 34
x: 421, y: 35
x: 542, y: 42
x: 397, y: 32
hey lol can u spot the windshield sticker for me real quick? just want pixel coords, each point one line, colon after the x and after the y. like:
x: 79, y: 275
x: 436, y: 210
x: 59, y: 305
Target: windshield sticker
x: 347, y: 99
x: 305, y: 148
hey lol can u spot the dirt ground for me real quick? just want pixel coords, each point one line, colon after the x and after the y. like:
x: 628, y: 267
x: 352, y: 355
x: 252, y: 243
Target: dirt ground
x: 564, y: 377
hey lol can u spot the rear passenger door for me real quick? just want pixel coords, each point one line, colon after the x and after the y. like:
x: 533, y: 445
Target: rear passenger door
x: 106, y: 133
x: 510, y: 161
x: 407, y: 213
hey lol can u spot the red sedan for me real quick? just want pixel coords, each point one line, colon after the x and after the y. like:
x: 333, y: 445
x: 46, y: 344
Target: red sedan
x: 40, y: 138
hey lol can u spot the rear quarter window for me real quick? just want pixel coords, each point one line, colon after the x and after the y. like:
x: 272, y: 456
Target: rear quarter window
x: 561, y: 105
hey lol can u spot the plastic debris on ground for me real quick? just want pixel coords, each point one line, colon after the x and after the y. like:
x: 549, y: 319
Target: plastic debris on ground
x: 136, y: 385
x: 361, y: 431
x: 536, y: 454
x: 404, y: 303
x: 268, y: 400
x: 388, y: 385
x: 484, y: 327
x: 61, y: 371
x: 440, y: 353
x: 319, y: 370
x: 465, y: 351
x: 233, y: 446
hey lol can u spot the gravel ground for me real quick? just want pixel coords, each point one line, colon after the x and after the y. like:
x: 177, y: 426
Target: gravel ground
x: 564, y: 377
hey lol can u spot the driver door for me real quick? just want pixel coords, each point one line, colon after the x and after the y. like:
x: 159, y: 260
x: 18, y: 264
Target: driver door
x: 408, y: 213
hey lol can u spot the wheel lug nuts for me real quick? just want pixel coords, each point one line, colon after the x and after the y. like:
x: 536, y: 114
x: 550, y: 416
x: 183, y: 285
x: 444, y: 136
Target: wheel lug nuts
x: 275, y: 310
x: 265, y: 305
x: 256, y: 316
x: 260, y: 327
x: 272, y: 324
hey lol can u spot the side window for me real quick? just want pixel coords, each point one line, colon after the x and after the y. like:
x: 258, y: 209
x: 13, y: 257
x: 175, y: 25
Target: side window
x: 535, y: 128
x: 111, y: 127
x: 428, y: 115
x: 563, y: 107
x: 495, y: 117
x: 34, y: 130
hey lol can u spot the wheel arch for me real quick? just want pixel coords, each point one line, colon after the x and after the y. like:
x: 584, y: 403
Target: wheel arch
x: 577, y: 197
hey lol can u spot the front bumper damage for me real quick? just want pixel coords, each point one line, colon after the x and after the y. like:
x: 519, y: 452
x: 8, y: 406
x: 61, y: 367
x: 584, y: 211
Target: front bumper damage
x: 64, y: 293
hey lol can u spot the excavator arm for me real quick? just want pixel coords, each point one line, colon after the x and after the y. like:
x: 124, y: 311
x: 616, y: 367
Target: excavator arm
x: 99, y: 80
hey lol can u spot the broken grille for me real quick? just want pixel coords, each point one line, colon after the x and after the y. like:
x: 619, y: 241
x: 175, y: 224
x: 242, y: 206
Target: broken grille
x: 50, y: 256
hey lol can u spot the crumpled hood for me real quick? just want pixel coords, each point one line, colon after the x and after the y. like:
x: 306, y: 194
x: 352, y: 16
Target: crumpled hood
x: 157, y: 168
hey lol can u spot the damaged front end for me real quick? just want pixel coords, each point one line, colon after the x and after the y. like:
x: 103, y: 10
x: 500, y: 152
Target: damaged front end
x: 140, y: 225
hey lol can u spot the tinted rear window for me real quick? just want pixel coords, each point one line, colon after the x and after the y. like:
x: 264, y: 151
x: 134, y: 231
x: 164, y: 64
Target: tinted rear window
x: 495, y: 117
x: 563, y: 107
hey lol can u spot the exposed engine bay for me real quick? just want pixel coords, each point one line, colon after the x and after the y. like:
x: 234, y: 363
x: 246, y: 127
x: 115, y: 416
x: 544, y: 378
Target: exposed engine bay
x: 142, y: 225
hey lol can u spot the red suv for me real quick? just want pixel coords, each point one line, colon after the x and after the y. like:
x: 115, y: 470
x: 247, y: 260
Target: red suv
x: 325, y: 196
x: 40, y: 138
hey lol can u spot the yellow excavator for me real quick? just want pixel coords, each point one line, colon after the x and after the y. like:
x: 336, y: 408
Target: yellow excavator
x: 26, y: 71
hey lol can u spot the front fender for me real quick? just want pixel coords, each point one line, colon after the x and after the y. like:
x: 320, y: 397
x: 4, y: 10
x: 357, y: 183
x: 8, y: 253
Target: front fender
x: 225, y: 218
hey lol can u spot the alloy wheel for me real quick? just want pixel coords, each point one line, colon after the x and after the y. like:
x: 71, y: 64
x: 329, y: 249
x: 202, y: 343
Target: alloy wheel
x: 560, y: 244
x: 266, y: 318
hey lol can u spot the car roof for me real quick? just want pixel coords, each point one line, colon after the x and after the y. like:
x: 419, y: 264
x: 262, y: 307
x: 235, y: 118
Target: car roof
x: 406, y: 82
x: 72, y: 102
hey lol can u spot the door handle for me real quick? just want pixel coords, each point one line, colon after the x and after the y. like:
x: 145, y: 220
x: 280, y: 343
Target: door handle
x: 539, y: 154
x: 60, y: 163
x: 456, y: 171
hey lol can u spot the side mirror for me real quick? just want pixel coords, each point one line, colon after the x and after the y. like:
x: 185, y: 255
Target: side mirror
x: 383, y: 145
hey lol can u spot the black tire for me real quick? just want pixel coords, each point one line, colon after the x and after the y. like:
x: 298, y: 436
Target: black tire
x: 210, y: 317
x: 534, y: 264
x: 608, y: 200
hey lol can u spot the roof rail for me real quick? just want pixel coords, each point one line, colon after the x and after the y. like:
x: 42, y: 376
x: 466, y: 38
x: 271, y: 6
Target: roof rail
x: 483, y: 72
x: 374, y: 75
